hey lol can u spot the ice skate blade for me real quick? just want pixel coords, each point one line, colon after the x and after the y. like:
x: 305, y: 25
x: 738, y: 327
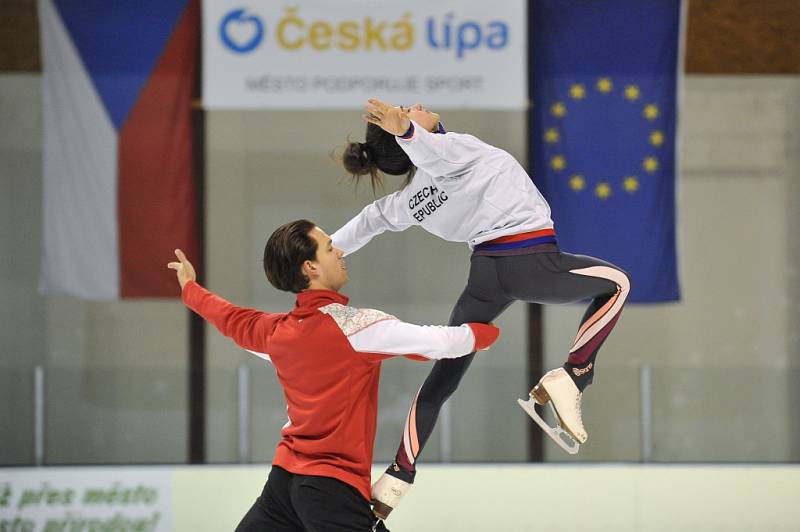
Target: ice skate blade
x: 555, y: 433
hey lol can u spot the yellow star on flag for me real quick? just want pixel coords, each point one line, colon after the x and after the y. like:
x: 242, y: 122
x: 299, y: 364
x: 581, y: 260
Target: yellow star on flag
x: 577, y: 91
x: 602, y: 190
x: 651, y: 111
x: 577, y: 183
x: 632, y: 92
x: 656, y: 138
x: 650, y: 164
x: 558, y: 109
x: 604, y: 85
x: 558, y: 163
x: 630, y: 184
x: 551, y: 136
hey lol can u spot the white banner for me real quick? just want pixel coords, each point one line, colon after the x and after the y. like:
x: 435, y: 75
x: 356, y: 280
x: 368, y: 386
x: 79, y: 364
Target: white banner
x: 324, y: 54
x: 117, y: 499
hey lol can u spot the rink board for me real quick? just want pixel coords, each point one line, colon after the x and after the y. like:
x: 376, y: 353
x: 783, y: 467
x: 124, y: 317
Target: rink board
x: 474, y: 497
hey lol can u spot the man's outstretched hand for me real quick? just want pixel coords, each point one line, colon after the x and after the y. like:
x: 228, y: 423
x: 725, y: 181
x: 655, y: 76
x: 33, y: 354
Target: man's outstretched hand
x: 184, y: 268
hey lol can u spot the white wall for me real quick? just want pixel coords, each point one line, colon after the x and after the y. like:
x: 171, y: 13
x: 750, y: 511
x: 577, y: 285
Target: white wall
x: 22, y: 344
x: 115, y: 371
x: 725, y: 359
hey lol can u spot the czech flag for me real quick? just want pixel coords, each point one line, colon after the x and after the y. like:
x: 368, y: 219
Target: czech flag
x: 119, y: 187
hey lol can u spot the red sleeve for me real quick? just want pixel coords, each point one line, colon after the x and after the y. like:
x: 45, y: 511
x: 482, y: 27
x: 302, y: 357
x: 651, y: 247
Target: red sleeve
x: 248, y: 327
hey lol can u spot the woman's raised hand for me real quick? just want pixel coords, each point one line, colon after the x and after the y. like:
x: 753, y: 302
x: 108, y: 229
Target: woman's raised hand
x: 391, y: 119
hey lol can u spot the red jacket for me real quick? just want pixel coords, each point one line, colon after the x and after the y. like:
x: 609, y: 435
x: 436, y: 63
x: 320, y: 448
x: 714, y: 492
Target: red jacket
x: 327, y: 357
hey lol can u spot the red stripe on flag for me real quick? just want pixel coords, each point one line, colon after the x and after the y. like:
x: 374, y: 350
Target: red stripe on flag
x: 156, y: 188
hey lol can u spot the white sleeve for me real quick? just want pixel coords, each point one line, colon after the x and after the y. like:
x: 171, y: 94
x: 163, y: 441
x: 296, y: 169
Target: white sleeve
x: 443, y: 155
x: 371, y: 331
x: 394, y: 337
x: 260, y: 355
x: 385, y: 214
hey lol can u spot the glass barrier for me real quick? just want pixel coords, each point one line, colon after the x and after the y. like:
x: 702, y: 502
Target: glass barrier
x: 123, y: 416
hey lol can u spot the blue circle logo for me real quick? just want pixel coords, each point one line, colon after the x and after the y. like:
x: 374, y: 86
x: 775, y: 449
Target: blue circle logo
x: 240, y: 32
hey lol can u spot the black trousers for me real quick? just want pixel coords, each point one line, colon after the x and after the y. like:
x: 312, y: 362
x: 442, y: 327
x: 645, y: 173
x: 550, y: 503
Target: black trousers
x: 494, y: 284
x: 305, y: 503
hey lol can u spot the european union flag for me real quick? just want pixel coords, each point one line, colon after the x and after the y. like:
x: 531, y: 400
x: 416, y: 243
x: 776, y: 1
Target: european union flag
x: 603, y: 140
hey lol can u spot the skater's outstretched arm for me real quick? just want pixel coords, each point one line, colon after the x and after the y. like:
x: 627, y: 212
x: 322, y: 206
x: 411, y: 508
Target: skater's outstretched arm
x: 386, y: 214
x: 249, y: 328
x: 376, y: 333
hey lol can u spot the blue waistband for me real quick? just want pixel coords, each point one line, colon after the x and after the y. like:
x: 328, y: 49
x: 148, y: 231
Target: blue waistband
x: 486, y: 246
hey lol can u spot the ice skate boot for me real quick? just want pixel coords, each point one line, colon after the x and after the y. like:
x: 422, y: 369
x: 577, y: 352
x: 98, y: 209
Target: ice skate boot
x: 558, y: 390
x: 386, y: 494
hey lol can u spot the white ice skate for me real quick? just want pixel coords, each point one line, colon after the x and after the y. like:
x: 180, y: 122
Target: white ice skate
x: 386, y: 494
x: 557, y: 389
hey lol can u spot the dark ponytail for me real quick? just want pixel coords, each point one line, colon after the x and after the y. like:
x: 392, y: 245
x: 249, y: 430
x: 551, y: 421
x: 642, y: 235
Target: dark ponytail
x: 381, y: 153
x: 358, y: 160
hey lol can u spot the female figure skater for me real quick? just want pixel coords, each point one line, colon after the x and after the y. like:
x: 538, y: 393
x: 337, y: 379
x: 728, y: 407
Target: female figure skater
x: 464, y: 190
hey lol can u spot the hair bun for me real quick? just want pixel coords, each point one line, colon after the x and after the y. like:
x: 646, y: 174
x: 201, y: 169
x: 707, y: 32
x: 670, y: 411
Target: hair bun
x: 358, y: 158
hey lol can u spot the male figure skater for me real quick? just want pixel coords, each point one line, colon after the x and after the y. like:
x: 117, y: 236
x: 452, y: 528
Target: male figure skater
x: 327, y: 357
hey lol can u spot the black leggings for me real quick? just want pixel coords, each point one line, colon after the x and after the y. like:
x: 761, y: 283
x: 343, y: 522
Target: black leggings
x: 496, y: 282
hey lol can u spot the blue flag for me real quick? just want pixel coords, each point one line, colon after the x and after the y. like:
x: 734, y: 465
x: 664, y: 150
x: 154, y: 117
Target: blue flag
x: 603, y: 139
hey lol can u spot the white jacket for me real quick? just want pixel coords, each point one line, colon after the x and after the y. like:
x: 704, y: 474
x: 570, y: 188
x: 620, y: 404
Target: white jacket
x: 464, y: 191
